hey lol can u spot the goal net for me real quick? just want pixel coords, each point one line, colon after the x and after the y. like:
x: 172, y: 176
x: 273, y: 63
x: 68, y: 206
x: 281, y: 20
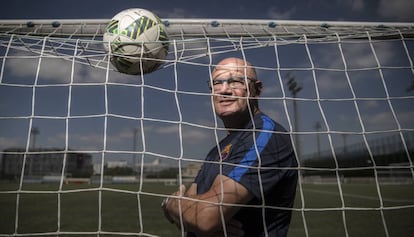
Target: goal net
x: 86, y: 150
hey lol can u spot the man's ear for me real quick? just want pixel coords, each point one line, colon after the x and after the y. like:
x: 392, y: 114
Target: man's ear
x: 258, y: 87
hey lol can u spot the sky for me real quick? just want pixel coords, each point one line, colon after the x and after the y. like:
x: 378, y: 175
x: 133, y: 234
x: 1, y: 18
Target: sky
x: 333, y: 10
x: 126, y: 101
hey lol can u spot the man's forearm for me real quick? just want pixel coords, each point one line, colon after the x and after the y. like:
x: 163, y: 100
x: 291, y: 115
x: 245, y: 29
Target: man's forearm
x: 198, y: 216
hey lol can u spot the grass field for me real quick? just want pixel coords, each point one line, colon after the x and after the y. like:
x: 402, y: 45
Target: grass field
x: 79, y: 210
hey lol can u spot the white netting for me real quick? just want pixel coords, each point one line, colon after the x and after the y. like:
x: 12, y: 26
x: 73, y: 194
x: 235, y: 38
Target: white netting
x: 86, y: 150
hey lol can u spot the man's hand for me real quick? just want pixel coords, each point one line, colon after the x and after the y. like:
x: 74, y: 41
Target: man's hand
x: 204, y: 213
x: 172, y: 202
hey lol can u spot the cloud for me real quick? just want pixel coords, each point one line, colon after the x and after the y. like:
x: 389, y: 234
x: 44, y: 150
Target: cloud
x: 51, y: 69
x: 357, y: 56
x: 376, y: 118
x: 23, y: 65
x: 55, y: 63
x: 274, y: 13
x: 175, y: 13
x: 371, y: 104
x: 188, y: 134
x: 380, y: 121
x: 357, y: 5
x: 59, y: 69
x: 354, y: 5
x: 401, y: 10
x: 7, y: 142
x: 406, y: 118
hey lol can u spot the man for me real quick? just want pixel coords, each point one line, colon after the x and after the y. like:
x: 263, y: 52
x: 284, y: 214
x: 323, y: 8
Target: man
x: 247, y: 186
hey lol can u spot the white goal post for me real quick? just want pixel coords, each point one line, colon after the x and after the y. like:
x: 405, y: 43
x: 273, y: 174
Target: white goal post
x: 86, y: 150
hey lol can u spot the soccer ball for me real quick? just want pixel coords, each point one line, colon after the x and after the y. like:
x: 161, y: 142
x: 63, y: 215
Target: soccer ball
x: 137, y: 41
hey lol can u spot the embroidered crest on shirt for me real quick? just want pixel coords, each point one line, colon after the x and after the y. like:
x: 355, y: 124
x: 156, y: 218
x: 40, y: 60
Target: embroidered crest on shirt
x: 225, y: 152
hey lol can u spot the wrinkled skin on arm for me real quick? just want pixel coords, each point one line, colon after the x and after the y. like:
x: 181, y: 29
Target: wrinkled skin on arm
x: 203, y: 214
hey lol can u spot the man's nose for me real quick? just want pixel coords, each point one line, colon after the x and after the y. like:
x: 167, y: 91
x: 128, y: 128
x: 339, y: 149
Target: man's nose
x: 225, y: 88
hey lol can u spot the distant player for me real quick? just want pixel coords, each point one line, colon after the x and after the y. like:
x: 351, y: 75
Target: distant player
x: 247, y: 186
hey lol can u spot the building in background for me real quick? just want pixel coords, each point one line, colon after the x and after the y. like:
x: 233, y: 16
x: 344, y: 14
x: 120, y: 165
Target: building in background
x: 45, y: 162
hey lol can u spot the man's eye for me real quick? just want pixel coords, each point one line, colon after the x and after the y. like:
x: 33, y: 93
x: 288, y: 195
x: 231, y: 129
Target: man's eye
x: 235, y: 81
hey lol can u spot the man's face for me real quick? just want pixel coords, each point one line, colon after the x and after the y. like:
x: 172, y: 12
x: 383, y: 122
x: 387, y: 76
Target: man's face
x: 229, y: 90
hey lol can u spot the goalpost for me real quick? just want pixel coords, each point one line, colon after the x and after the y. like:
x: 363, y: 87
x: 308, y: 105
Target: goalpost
x: 70, y: 124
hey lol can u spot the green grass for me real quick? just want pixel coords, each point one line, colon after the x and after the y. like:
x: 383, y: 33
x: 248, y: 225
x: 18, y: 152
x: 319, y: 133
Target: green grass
x: 79, y: 210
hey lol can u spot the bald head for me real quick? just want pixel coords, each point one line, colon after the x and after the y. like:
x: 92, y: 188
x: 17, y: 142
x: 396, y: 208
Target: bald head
x: 235, y: 66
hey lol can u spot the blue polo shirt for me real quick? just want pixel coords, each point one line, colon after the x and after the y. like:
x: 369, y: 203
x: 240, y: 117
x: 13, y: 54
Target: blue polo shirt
x: 261, y: 158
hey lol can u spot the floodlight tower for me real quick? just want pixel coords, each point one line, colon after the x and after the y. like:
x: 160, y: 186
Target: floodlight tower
x: 134, y: 147
x: 318, y: 143
x: 33, y: 133
x: 294, y: 89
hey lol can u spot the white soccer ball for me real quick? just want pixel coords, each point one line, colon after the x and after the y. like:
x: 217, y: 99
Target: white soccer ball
x: 137, y: 41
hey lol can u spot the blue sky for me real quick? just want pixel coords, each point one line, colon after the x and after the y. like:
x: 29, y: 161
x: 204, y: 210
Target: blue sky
x: 126, y: 101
